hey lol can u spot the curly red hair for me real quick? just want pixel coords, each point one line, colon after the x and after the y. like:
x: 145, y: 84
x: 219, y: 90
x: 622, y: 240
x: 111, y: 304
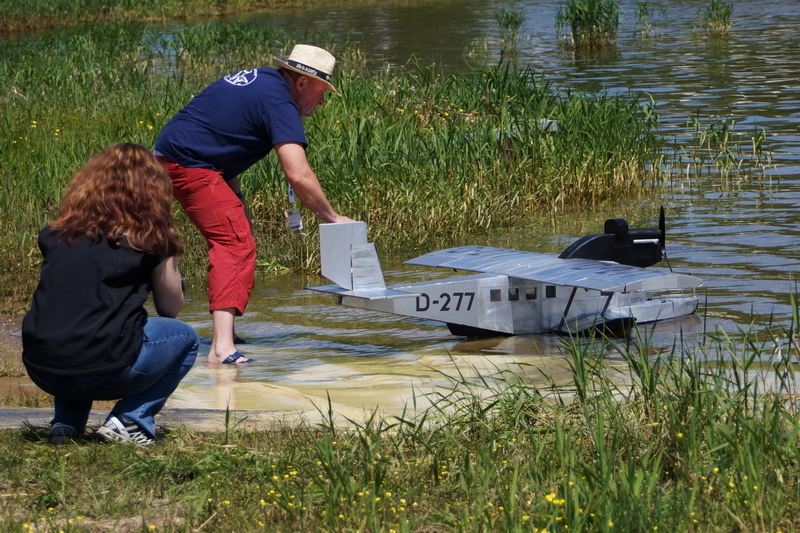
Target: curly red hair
x: 125, y: 194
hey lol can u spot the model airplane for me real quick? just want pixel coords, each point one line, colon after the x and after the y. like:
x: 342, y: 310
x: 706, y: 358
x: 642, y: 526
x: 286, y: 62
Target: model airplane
x: 600, y: 281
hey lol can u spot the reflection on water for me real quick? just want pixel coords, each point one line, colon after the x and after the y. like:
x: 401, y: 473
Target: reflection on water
x: 740, y: 235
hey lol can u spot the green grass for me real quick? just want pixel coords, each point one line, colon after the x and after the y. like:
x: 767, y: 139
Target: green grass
x: 27, y: 15
x: 673, y: 441
x: 509, y: 19
x: 10, y: 367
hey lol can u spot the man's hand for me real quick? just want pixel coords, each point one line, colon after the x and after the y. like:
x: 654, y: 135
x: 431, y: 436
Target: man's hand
x: 306, y: 186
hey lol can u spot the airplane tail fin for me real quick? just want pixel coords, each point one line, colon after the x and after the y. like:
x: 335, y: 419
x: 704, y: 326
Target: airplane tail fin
x: 347, y: 258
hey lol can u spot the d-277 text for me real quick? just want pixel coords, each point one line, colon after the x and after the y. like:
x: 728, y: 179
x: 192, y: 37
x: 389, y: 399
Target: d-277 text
x: 448, y: 302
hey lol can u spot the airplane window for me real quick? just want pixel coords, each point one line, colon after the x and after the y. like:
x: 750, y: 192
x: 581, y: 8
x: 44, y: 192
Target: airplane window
x: 530, y: 293
x: 495, y: 295
x: 513, y: 294
x: 550, y: 291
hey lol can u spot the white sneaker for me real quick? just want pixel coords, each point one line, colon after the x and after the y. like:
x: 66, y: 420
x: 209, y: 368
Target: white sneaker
x: 62, y: 433
x: 115, y: 429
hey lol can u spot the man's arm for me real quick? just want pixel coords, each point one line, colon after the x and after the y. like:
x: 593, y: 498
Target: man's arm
x: 304, y: 182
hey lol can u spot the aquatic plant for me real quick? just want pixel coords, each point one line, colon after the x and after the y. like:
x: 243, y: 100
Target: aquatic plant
x: 648, y: 20
x: 588, y: 23
x: 716, y: 18
x: 510, y: 22
x: 644, y: 18
x: 714, y: 146
x: 509, y: 19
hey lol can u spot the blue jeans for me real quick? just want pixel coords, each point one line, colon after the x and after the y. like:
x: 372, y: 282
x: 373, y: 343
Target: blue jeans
x: 169, y: 348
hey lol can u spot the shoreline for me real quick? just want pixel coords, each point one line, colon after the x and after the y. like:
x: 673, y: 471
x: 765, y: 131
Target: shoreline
x: 11, y: 361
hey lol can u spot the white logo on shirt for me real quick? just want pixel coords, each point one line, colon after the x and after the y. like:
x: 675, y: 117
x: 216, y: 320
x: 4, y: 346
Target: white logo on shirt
x: 242, y: 78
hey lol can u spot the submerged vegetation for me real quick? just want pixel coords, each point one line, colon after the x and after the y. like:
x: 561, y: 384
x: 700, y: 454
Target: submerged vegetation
x: 642, y: 442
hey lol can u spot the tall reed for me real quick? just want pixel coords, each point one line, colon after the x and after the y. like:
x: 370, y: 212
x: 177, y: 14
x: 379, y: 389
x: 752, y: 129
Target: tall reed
x: 716, y: 18
x: 646, y: 20
x: 588, y: 23
x: 510, y: 21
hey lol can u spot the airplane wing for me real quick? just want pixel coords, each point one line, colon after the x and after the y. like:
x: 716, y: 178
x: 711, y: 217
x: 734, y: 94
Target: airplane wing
x: 364, y: 294
x: 582, y: 273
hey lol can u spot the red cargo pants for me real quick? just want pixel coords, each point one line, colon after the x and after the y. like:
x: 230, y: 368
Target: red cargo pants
x: 220, y: 216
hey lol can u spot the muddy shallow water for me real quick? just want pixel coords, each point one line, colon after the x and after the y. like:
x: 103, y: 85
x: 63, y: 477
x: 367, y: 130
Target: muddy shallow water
x: 739, y: 234
x: 308, y: 350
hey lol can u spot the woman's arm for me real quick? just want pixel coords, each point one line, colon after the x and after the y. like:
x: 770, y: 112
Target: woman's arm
x: 167, y: 289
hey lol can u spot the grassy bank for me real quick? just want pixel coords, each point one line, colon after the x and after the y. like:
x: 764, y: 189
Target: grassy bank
x: 37, y: 15
x: 647, y: 442
x: 420, y: 156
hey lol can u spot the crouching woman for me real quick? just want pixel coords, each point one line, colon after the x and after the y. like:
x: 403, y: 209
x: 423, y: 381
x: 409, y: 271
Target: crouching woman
x: 87, y: 335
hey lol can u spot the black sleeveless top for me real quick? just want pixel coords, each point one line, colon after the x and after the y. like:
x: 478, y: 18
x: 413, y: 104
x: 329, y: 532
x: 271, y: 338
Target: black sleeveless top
x: 87, y: 313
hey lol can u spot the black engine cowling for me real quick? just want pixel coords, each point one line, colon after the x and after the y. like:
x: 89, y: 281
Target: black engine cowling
x: 641, y: 247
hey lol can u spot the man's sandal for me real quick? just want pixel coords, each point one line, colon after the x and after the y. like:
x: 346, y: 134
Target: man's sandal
x: 236, y: 359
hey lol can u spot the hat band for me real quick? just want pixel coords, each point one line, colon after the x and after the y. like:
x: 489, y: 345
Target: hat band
x: 309, y: 70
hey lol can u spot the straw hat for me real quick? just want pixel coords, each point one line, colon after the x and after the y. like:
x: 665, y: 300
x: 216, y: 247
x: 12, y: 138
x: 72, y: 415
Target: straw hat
x: 310, y: 61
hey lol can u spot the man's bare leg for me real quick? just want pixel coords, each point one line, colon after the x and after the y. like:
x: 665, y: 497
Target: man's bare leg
x: 223, y: 335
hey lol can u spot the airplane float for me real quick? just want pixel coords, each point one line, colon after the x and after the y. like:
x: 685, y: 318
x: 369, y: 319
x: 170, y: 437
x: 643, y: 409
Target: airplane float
x: 600, y: 281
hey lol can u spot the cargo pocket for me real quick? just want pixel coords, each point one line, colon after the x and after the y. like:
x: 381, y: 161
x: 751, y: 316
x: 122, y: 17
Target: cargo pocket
x: 238, y: 229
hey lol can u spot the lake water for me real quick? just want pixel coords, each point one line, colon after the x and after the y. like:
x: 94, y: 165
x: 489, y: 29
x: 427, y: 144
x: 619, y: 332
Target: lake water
x: 740, y: 235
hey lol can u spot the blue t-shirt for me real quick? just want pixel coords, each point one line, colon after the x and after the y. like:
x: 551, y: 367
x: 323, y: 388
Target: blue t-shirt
x: 233, y: 123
